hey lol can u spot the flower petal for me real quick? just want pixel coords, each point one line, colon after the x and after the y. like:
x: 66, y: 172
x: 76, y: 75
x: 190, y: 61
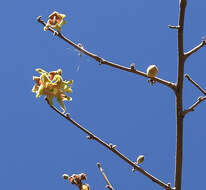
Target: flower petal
x: 59, y: 100
x: 40, y: 71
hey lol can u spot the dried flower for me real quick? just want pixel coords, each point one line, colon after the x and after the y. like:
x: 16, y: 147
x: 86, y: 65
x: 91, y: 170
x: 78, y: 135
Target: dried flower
x: 52, y: 85
x: 83, y: 176
x: 152, y: 71
x: 56, y: 20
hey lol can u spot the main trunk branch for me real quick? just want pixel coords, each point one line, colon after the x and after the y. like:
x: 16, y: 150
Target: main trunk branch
x: 179, y: 106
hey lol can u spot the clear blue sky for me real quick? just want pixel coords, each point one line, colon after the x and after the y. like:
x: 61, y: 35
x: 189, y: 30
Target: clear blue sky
x: 37, y: 146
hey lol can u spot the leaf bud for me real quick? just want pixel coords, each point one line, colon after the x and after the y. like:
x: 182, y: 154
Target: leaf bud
x: 152, y: 71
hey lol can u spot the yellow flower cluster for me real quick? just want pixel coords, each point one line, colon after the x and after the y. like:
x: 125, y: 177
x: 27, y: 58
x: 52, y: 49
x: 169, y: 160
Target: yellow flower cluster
x: 56, y: 20
x: 52, y: 85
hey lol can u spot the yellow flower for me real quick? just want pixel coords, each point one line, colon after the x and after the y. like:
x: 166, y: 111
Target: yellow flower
x: 56, y: 20
x: 52, y: 85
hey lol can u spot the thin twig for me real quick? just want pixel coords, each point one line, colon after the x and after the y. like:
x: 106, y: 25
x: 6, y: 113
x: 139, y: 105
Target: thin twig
x: 192, y: 108
x: 113, y: 149
x: 195, y: 84
x: 103, y: 61
x: 173, y: 27
x: 203, y: 43
x: 109, y: 186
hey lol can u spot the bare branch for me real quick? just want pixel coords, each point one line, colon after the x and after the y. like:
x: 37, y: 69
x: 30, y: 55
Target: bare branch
x: 113, y: 149
x: 103, y: 61
x: 179, y: 102
x: 109, y: 186
x: 191, y: 108
x: 203, y: 43
x: 195, y: 84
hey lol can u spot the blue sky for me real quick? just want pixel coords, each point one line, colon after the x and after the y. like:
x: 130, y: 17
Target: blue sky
x: 38, y: 146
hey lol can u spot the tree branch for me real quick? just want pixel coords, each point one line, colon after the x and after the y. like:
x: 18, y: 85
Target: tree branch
x: 191, y: 108
x: 103, y: 61
x: 203, y: 43
x: 109, y: 186
x: 173, y: 27
x: 179, y: 102
x: 113, y: 149
x: 195, y: 84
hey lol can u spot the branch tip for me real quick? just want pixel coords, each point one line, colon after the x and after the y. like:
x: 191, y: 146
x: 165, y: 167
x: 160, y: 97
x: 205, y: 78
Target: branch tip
x: 195, y: 49
x: 108, y: 184
x: 173, y: 27
x: 39, y: 18
x: 195, y: 84
x: 187, y: 76
x: 98, y: 165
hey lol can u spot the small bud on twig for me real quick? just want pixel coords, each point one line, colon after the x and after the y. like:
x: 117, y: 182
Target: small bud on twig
x: 89, y: 137
x: 152, y: 71
x: 112, y: 146
x: 132, y: 66
x: 65, y: 176
x: 140, y: 159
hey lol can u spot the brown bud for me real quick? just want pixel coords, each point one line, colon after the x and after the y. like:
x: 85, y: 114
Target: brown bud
x: 152, y: 71
x: 65, y: 176
x: 83, y: 176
